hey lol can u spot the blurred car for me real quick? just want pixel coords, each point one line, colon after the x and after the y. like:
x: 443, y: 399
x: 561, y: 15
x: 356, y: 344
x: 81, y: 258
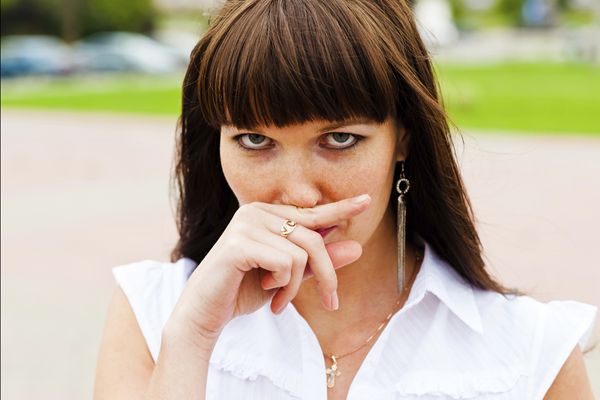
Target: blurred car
x: 180, y: 43
x: 538, y: 13
x: 124, y: 52
x: 35, y: 55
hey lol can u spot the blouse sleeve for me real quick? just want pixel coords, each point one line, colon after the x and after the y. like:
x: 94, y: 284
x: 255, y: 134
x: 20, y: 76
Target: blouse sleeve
x: 562, y: 326
x: 152, y: 289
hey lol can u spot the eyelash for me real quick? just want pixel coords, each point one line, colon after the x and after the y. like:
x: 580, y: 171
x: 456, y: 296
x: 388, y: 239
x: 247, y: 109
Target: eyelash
x: 357, y: 139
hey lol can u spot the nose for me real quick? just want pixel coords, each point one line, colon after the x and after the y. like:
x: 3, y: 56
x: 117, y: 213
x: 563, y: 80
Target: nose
x: 299, y: 186
x: 301, y: 197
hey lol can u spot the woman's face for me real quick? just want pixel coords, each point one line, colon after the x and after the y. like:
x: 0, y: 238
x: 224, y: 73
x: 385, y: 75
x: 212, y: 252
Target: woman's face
x: 314, y: 163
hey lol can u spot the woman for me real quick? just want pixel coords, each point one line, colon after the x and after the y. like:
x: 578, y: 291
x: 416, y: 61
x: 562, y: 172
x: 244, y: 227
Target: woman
x: 327, y: 246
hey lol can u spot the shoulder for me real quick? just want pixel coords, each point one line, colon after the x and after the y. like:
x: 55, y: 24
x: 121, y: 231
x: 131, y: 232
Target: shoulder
x: 572, y: 380
x: 546, y: 336
x: 152, y: 289
x: 123, y: 353
x: 139, y: 275
x: 528, y: 318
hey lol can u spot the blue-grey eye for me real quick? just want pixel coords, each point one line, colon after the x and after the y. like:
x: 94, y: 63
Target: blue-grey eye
x: 251, y: 141
x: 341, y: 138
x: 256, y: 139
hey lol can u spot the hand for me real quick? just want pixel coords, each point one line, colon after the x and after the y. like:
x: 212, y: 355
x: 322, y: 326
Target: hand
x: 251, y: 263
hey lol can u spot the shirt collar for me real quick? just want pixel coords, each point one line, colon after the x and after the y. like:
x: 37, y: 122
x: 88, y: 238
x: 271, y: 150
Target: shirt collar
x: 436, y: 276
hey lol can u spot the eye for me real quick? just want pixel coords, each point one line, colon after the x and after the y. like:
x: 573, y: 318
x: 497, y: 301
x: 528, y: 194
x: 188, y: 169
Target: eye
x: 256, y: 142
x: 346, y: 140
x: 250, y: 141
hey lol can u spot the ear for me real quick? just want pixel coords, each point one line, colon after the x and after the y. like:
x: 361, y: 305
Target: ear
x: 403, y: 143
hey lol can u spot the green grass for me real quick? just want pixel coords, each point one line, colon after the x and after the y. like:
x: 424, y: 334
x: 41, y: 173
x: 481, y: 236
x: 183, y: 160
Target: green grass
x: 546, y: 98
x: 536, y: 98
x: 118, y: 94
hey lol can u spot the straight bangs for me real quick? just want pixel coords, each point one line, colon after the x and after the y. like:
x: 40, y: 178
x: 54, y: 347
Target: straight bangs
x: 278, y: 63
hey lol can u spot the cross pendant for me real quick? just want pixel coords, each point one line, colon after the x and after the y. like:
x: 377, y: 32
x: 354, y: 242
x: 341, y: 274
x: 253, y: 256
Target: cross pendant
x: 332, y: 373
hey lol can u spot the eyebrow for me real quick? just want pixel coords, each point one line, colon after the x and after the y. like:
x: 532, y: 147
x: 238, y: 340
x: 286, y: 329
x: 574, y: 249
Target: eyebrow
x: 346, y: 122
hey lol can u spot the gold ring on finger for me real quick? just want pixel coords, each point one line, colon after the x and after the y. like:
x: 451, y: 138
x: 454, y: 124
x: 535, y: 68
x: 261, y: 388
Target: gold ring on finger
x: 287, y: 227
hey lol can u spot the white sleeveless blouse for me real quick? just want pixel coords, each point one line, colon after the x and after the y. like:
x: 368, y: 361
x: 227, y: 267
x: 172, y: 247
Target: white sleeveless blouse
x: 449, y: 341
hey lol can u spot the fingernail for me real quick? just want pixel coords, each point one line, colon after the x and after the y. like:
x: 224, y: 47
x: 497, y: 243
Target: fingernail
x: 360, y: 199
x: 335, y: 302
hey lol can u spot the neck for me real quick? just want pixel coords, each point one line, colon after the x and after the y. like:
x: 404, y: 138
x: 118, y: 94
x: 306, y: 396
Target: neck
x: 366, y: 289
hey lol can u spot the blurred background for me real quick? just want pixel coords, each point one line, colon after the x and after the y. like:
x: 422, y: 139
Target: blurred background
x: 90, y: 94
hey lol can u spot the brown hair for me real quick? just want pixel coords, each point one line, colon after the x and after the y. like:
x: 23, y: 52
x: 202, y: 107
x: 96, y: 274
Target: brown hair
x: 279, y: 62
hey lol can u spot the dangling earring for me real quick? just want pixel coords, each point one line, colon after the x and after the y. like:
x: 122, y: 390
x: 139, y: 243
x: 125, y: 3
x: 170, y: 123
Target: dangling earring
x: 402, y: 181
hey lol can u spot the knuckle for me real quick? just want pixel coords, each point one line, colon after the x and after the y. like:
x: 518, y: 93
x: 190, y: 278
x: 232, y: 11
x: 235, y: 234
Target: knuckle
x: 313, y: 217
x: 315, y: 239
x: 287, y: 265
x: 243, y: 226
x: 286, y: 276
x: 301, y: 257
x: 236, y: 230
x: 236, y: 242
x: 308, y: 214
x: 247, y: 209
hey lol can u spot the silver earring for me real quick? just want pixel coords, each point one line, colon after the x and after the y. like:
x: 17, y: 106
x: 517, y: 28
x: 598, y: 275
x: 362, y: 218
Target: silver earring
x: 402, y: 187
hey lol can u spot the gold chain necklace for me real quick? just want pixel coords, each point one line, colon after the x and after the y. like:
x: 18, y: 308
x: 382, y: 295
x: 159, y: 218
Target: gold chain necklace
x: 333, y: 371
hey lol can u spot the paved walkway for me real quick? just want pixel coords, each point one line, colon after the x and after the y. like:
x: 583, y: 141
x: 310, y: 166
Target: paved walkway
x: 81, y: 194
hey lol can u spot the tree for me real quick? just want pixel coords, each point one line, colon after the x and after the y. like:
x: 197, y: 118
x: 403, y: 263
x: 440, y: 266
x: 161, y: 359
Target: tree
x: 71, y: 19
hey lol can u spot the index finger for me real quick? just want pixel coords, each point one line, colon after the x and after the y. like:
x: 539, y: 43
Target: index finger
x: 321, y: 216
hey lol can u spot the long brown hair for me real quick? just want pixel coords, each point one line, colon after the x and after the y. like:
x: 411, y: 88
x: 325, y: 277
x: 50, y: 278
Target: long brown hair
x: 280, y: 62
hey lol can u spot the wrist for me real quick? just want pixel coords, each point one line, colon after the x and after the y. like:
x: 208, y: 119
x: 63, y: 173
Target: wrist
x: 189, y: 338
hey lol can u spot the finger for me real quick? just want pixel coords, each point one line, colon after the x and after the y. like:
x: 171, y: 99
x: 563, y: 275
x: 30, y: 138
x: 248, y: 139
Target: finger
x: 302, y: 255
x: 341, y: 254
x: 298, y: 254
x: 318, y: 257
x: 287, y: 293
x: 320, y: 216
x: 255, y: 254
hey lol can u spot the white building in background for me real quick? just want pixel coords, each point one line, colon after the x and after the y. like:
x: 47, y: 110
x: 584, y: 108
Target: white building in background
x: 435, y: 23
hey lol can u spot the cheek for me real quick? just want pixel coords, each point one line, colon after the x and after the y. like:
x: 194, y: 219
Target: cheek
x: 243, y: 181
x: 374, y: 175
x: 370, y: 172
x: 358, y: 178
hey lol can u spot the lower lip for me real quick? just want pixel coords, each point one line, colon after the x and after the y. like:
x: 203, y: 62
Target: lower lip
x: 324, y: 232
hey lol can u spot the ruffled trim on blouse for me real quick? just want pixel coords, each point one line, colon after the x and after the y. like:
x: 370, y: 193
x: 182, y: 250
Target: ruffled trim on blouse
x: 247, y: 348
x: 249, y: 367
